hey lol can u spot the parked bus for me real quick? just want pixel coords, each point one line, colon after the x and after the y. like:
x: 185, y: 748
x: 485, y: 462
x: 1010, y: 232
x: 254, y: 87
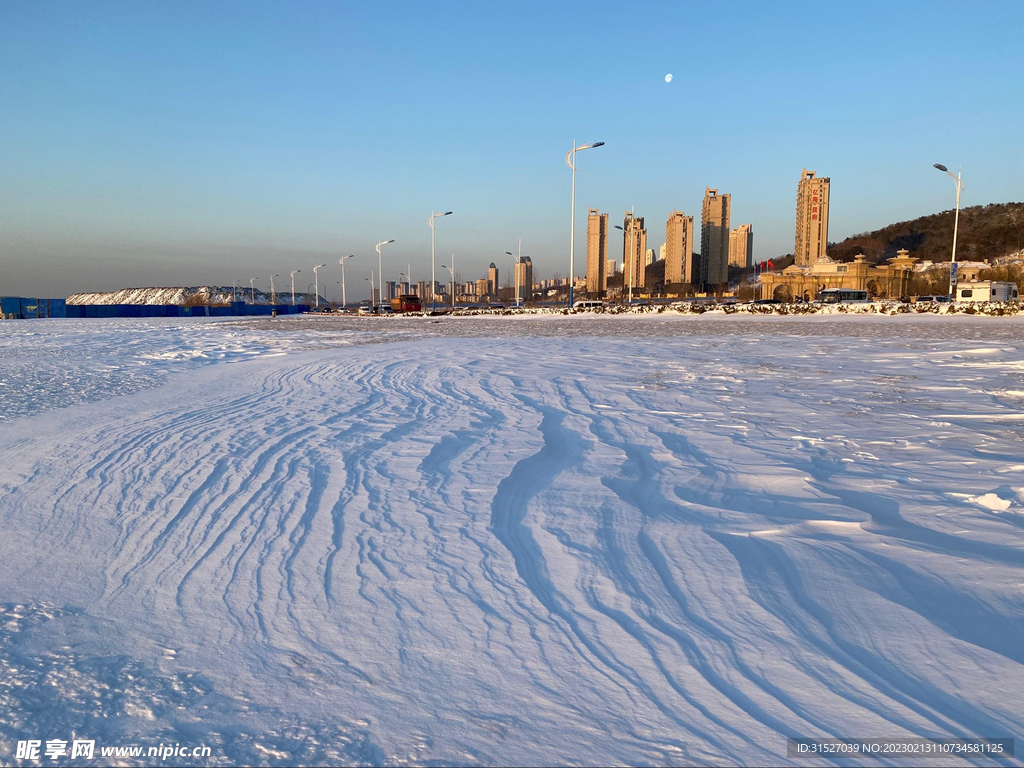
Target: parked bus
x: 842, y: 296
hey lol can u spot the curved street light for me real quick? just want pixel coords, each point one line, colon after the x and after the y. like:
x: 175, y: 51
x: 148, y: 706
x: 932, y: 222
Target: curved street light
x: 430, y: 221
x: 373, y: 305
x: 380, y: 266
x: 341, y: 261
x: 515, y: 273
x: 273, y: 293
x: 452, y: 273
x: 316, y: 282
x: 570, y: 160
x: 252, y: 289
x: 293, y: 274
x: 956, y: 220
x: 632, y: 266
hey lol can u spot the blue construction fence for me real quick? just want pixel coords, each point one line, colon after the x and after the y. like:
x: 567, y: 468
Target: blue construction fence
x: 16, y: 307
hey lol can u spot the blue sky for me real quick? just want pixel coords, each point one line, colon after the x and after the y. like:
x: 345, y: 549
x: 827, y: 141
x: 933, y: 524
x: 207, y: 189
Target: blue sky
x: 194, y: 142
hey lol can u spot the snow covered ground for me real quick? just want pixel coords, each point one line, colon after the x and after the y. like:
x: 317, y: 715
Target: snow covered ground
x: 542, y: 540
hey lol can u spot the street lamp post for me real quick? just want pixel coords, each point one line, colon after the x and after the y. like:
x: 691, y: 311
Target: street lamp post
x: 373, y: 305
x: 515, y: 273
x: 316, y: 282
x: 632, y: 266
x: 341, y: 261
x: 452, y: 273
x: 380, y: 266
x: 570, y: 160
x: 956, y: 221
x: 273, y: 293
x: 252, y: 289
x: 293, y: 274
x: 433, y: 279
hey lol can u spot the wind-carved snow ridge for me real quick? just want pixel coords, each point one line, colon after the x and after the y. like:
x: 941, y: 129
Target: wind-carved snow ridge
x: 536, y: 549
x: 57, y: 363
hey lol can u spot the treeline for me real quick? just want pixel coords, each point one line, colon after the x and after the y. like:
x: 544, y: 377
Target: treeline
x: 985, y: 232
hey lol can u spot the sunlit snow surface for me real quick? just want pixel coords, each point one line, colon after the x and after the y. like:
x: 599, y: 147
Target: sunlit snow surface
x: 515, y: 541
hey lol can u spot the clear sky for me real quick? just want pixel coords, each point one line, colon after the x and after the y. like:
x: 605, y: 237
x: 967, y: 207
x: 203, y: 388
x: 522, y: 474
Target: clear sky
x: 183, y: 143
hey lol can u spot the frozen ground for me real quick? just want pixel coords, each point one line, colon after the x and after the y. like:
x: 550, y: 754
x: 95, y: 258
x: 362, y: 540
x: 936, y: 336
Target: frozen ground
x: 549, y: 540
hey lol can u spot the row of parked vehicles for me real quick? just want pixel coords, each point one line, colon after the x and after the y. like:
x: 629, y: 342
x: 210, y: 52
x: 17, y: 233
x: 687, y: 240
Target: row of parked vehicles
x: 966, y: 292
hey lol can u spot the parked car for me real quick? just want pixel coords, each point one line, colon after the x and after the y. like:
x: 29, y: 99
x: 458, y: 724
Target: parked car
x: 585, y: 304
x: 932, y: 299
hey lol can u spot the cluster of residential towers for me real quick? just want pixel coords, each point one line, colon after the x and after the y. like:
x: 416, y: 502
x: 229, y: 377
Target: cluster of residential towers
x: 721, y: 246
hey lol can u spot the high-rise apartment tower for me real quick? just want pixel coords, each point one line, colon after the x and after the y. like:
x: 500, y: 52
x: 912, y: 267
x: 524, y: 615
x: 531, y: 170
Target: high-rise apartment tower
x: 741, y: 246
x: 524, y: 280
x: 679, y: 261
x: 492, y: 279
x: 634, y: 251
x: 597, y: 251
x: 811, y: 218
x: 714, y: 238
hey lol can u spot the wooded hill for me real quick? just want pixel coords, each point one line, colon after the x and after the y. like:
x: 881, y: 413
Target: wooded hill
x: 985, y: 232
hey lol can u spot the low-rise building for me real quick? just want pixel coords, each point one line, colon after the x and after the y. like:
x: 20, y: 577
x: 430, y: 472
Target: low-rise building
x: 882, y: 281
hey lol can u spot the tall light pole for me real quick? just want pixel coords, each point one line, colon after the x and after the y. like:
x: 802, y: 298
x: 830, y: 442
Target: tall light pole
x: 453, y: 281
x: 956, y: 220
x: 316, y: 282
x: 515, y: 276
x: 293, y: 274
x: 433, y: 279
x: 452, y: 272
x: 372, y: 304
x: 252, y: 289
x: 515, y: 272
x: 380, y: 266
x: 570, y: 160
x: 341, y: 261
x: 632, y: 266
x: 273, y: 293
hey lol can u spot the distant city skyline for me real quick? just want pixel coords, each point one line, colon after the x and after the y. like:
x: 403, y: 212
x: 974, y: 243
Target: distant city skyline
x: 183, y: 144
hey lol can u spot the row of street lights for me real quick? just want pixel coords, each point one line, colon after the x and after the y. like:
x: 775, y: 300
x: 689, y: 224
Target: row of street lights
x: 570, y: 161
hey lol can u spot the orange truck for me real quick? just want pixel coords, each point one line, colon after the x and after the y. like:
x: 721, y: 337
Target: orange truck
x: 406, y: 303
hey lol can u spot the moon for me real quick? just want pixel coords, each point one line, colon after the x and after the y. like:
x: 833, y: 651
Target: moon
x: 668, y: 78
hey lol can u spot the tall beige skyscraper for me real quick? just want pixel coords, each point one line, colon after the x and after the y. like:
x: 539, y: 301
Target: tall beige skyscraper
x: 679, y: 262
x: 741, y: 246
x: 811, y: 218
x: 714, y: 238
x: 492, y: 279
x: 634, y: 251
x: 524, y: 280
x: 610, y: 270
x: 597, y: 251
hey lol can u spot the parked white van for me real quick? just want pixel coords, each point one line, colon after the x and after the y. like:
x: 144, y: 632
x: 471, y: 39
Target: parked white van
x: 987, y: 290
x: 585, y: 304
